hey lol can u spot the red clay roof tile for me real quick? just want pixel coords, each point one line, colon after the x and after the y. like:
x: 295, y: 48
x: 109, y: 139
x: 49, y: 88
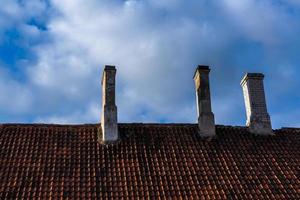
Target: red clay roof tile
x: 150, y: 161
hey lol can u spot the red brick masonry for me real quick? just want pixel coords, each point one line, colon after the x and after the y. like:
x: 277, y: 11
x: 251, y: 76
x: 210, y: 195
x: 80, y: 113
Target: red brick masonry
x: 155, y: 161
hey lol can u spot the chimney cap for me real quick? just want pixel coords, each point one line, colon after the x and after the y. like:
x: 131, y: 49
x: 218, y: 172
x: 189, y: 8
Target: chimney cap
x: 203, y: 68
x: 110, y: 67
x: 252, y: 76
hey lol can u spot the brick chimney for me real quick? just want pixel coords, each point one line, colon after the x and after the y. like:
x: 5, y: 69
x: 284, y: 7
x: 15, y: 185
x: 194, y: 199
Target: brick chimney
x: 206, y: 120
x: 109, y: 118
x: 258, y: 119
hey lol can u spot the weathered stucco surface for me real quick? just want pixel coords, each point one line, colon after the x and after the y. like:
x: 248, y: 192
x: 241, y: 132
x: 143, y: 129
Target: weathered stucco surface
x: 258, y: 119
x: 109, y: 116
x: 206, y: 119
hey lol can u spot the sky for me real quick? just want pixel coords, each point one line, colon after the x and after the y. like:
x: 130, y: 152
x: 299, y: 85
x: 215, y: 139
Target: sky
x: 52, y: 54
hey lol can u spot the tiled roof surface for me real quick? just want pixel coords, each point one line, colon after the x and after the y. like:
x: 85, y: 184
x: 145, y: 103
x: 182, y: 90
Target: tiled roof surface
x: 150, y: 161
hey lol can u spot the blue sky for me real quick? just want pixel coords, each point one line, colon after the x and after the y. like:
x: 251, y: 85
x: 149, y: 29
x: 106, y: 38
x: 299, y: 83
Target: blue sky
x: 52, y: 54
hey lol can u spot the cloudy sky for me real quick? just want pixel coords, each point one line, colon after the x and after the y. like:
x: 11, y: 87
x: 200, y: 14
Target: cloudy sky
x: 52, y: 53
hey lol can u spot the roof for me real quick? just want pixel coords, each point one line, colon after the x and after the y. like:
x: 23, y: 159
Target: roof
x: 153, y: 161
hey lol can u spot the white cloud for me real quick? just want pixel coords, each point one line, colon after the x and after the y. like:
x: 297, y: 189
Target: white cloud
x: 75, y: 117
x: 155, y: 45
x: 263, y: 21
x: 15, y: 98
x: 13, y: 12
x: 87, y: 37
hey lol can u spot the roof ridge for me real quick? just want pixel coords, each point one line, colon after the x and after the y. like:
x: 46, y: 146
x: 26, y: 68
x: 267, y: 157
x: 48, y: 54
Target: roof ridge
x: 45, y: 125
x: 230, y: 126
x: 218, y: 126
x: 293, y: 129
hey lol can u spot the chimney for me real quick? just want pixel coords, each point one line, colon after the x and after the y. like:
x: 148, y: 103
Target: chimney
x: 206, y: 120
x: 109, y: 118
x: 258, y: 119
